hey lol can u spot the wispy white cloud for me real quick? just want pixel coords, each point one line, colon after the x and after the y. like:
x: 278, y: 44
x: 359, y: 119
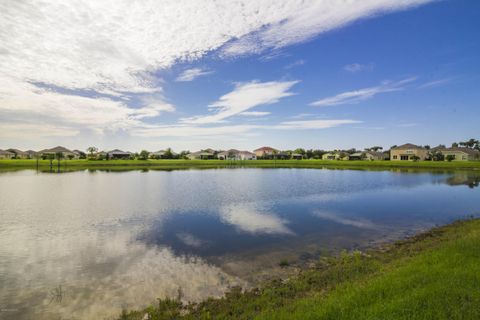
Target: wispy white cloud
x: 357, y: 67
x: 298, y: 22
x: 435, y: 83
x: 294, y: 64
x: 302, y: 115
x: 186, y: 130
x: 244, y: 97
x: 312, y: 124
x: 192, y: 74
x: 254, y: 113
x: 352, y: 97
x: 24, y: 103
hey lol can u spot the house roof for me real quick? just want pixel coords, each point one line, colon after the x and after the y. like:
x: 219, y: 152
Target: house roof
x: 234, y: 151
x: 201, y: 153
x: 375, y: 153
x: 4, y: 152
x: 161, y: 152
x: 468, y: 151
x: 117, y: 151
x: 56, y: 149
x: 247, y: 153
x: 408, y: 146
x: 16, y: 151
x: 357, y: 154
x: 265, y: 149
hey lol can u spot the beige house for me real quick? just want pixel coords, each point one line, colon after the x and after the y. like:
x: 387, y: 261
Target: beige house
x: 265, y: 152
x: 6, y: 154
x: 234, y: 154
x: 460, y: 154
x: 201, y: 155
x: 66, y: 153
x: 367, y: 155
x: 336, y: 156
x: 19, y: 154
x: 408, y: 152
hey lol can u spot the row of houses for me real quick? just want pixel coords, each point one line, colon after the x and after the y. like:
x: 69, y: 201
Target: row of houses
x: 405, y: 152
x: 64, y: 152
x: 409, y: 152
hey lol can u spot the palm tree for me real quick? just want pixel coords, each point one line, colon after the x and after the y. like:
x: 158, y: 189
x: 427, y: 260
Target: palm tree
x: 91, y: 151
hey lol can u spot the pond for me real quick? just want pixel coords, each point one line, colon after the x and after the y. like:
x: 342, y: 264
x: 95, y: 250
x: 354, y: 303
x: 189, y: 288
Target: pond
x: 85, y: 244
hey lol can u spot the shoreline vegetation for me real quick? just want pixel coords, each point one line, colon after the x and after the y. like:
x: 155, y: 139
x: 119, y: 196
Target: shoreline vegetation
x: 432, y: 275
x: 179, y: 164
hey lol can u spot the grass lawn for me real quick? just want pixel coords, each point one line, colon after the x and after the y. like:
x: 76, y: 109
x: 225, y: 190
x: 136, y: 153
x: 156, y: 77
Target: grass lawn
x: 435, y: 275
x: 172, y: 164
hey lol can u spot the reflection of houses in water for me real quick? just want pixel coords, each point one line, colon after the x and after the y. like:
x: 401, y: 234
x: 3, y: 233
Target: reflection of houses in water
x: 472, y: 180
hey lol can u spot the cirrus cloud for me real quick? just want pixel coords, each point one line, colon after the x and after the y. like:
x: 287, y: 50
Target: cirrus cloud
x: 352, y: 97
x: 244, y: 97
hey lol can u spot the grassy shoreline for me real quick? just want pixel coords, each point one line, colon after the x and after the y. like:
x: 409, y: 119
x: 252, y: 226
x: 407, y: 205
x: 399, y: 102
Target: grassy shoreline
x: 433, y: 275
x: 175, y: 164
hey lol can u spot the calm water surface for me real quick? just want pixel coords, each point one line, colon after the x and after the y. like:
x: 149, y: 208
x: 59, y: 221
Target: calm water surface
x: 85, y: 244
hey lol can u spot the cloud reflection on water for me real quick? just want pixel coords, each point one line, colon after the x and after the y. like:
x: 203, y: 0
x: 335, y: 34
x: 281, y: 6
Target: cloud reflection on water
x: 99, y: 275
x: 338, y: 218
x: 252, y: 219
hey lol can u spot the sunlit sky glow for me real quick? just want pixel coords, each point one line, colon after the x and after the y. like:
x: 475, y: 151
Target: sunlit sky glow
x: 238, y: 74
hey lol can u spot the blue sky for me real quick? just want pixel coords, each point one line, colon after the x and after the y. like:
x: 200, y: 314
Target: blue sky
x: 321, y: 74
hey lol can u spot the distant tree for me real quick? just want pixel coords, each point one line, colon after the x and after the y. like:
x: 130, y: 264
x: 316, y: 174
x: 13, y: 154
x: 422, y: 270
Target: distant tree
x: 143, y: 155
x: 374, y: 149
x: 450, y: 157
x: 92, y: 150
x: 427, y: 147
x: 309, y: 154
x: 70, y: 156
x: 168, y: 154
x: 317, y: 154
x: 454, y: 145
x: 469, y: 144
x: 436, y: 155
x: 394, y: 146
x: 300, y: 151
x: 415, y: 158
x: 183, y: 154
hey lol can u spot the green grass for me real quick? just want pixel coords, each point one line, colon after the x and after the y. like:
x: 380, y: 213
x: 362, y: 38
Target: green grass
x: 435, y: 275
x: 174, y: 164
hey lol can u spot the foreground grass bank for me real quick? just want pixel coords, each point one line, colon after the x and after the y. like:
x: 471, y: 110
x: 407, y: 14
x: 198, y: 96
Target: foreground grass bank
x: 435, y: 275
x: 173, y: 164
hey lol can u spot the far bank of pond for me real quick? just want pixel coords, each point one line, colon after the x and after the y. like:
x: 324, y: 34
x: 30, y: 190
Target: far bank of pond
x: 178, y: 164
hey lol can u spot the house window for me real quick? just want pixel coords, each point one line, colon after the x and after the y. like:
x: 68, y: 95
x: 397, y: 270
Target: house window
x: 394, y: 157
x: 403, y: 157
